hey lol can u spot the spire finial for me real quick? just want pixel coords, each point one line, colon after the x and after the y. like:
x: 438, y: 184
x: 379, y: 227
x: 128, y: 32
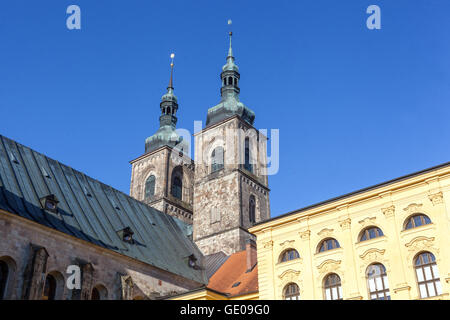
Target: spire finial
x: 230, y: 51
x: 172, y: 55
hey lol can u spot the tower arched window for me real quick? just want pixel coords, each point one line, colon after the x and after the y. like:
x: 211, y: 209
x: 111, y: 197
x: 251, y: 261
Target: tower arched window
x: 288, y: 255
x: 328, y: 244
x: 332, y: 287
x: 230, y: 81
x: 247, y: 164
x: 177, y: 187
x: 427, y: 275
x: 417, y: 220
x: 49, y: 292
x: 291, y: 292
x: 251, y: 209
x: 377, y: 282
x: 370, y: 233
x: 177, y: 182
x: 150, y: 187
x: 217, y: 159
x: 4, y: 273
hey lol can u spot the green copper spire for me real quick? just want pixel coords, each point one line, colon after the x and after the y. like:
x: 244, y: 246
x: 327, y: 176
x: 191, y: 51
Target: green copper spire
x: 166, y: 134
x: 229, y: 104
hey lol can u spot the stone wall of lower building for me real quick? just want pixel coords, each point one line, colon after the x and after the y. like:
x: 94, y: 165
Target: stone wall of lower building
x: 15, y: 249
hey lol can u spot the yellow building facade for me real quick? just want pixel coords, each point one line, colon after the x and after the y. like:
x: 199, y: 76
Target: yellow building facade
x: 388, y: 241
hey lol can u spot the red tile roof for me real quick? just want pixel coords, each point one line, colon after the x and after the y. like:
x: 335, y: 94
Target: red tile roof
x: 233, y: 271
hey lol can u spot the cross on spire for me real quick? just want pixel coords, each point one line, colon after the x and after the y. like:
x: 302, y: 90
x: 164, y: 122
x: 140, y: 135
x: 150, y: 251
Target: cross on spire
x: 230, y: 50
x: 172, y: 55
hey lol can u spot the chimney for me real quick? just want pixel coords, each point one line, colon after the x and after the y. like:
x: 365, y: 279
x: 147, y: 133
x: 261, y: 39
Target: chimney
x: 250, y: 248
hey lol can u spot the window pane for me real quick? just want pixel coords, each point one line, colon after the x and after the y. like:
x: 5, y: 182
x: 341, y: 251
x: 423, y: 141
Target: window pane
x: 386, y: 283
x: 435, y: 271
x: 423, y: 291
x: 425, y: 258
x: 335, y: 294
x: 417, y: 221
x: 328, y: 294
x: 372, y: 285
x: 372, y: 233
x: 381, y: 296
x: 419, y: 274
x: 427, y: 220
x: 373, y: 296
x: 363, y: 237
x: 340, y: 292
x: 438, y: 287
x: 427, y: 270
x: 379, y: 283
x: 431, y: 289
x: 330, y: 244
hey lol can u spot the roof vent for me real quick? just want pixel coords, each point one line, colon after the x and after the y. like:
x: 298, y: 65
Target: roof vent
x: 192, y: 262
x: 126, y: 235
x: 236, y: 284
x: 115, y: 205
x: 86, y: 192
x: 49, y: 203
x: 44, y: 172
x: 13, y: 158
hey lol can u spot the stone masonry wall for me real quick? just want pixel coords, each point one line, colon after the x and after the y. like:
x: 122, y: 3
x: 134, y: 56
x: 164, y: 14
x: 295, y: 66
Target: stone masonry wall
x: 221, y: 198
x: 17, y: 234
x: 161, y: 164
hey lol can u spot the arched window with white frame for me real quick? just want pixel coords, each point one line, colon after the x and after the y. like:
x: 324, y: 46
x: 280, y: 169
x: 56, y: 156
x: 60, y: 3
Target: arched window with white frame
x: 377, y: 282
x: 417, y: 220
x: 291, y: 292
x: 427, y: 275
x: 332, y: 287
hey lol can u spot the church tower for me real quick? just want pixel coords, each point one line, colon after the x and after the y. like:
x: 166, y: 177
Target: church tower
x: 163, y: 176
x: 230, y: 187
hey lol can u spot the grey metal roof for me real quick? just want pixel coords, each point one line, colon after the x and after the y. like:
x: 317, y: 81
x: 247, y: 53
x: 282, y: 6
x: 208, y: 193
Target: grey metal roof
x: 213, y: 262
x: 93, y: 211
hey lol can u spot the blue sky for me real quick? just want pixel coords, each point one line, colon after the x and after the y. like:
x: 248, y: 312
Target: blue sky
x: 355, y: 107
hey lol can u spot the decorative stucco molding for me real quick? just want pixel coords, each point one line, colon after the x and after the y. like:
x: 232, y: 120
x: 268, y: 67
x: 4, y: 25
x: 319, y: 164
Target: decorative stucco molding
x: 413, y: 208
x: 268, y: 244
x: 289, y: 275
x: 328, y: 266
x: 367, y: 221
x: 436, y: 198
x: 402, y: 288
x: 345, y: 224
x: 286, y: 243
x: 420, y: 243
x: 305, y: 235
x: 388, y: 211
x: 373, y: 254
x: 325, y: 232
